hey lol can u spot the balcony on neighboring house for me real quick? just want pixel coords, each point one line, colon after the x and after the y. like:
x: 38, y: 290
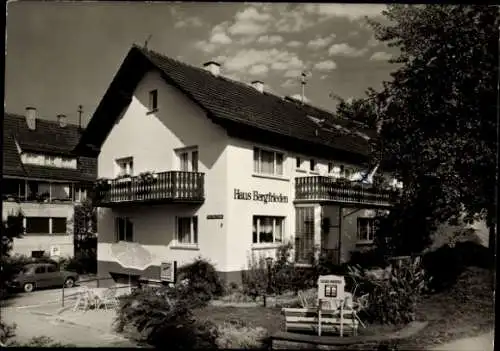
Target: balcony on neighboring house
x: 161, y: 187
x: 22, y: 190
x: 329, y: 189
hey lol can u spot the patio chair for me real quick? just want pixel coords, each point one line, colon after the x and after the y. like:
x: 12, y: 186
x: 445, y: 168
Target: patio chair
x: 108, y: 299
x: 84, y: 298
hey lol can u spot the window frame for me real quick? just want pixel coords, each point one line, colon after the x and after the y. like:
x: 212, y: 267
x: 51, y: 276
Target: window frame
x: 126, y: 220
x: 153, y: 100
x: 28, y: 219
x: 189, y: 162
x: 128, y: 162
x: 193, y: 231
x: 256, y: 219
x: 257, y: 163
x: 65, y: 225
x: 369, y: 230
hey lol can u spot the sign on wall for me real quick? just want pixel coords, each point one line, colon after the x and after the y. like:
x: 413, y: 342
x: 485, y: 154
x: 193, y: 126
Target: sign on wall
x: 256, y: 196
x: 168, y: 271
x: 55, y: 250
x: 215, y: 216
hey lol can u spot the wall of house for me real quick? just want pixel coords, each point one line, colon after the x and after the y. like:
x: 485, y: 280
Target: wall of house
x: 349, y: 230
x: 28, y: 243
x: 151, y: 139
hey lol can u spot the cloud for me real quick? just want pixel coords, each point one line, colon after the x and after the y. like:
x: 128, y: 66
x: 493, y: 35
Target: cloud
x: 344, y: 49
x: 270, y: 39
x: 320, y: 42
x: 220, y: 38
x: 276, y: 59
x: 294, y: 44
x: 325, y: 65
x: 352, y: 12
x: 189, y: 22
x: 294, y: 20
x: 258, y: 69
x: 250, y: 22
x: 293, y: 73
x: 289, y: 83
x: 324, y: 76
x: 381, y: 56
x: 372, y: 42
x: 299, y: 97
x: 205, y: 46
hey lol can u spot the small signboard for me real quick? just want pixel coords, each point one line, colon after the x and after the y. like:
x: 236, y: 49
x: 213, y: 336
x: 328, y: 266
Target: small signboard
x: 215, y: 216
x: 168, y: 272
x: 331, y: 290
x: 55, y: 251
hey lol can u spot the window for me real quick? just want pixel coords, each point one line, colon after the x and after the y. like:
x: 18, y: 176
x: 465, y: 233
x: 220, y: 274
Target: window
x: 153, y: 100
x: 35, y: 254
x: 40, y: 269
x: 124, y: 229
x: 50, y: 161
x: 268, y: 162
x: 125, y: 166
x: 37, y: 225
x: 312, y: 165
x: 188, y: 159
x: 304, y: 236
x: 51, y: 268
x: 348, y: 172
x: 187, y: 230
x: 59, y: 225
x: 330, y: 167
x: 80, y: 194
x: 298, y: 162
x: 267, y: 229
x: 366, y: 229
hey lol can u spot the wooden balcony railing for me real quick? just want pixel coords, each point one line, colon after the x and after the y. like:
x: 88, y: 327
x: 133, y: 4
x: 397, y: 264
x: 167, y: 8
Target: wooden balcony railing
x: 321, y: 188
x: 171, y: 186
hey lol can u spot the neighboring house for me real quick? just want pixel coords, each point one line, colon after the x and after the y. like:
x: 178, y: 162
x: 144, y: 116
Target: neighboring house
x: 43, y: 178
x: 236, y: 171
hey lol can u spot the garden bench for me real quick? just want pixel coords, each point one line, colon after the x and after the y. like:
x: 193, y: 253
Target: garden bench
x: 320, y: 320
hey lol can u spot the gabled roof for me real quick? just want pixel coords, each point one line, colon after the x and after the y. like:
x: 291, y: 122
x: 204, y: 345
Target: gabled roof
x: 47, y: 138
x: 237, y: 107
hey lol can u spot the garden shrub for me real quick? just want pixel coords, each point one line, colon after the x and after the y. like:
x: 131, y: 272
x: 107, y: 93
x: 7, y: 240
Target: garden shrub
x: 445, y: 264
x: 393, y: 296
x: 371, y: 258
x: 254, y: 279
x: 7, y: 332
x: 41, y: 341
x: 160, y: 321
x: 203, y: 281
x: 82, y: 263
x: 233, y: 336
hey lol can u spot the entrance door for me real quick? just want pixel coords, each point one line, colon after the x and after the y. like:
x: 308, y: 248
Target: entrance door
x: 304, y: 234
x: 330, y: 232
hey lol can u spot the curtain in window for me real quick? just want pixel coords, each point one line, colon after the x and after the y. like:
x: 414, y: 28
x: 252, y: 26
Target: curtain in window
x: 184, y: 158
x: 267, y: 161
x: 195, y: 230
x: 256, y: 160
x: 194, y: 161
x: 279, y: 164
x: 278, y: 230
x: 266, y: 230
x: 184, y: 230
x: 254, y: 230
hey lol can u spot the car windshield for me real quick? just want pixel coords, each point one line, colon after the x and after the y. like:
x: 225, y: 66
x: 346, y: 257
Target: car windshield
x: 27, y: 269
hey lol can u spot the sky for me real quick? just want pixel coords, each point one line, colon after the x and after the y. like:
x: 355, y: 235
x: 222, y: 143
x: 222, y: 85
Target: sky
x: 63, y: 54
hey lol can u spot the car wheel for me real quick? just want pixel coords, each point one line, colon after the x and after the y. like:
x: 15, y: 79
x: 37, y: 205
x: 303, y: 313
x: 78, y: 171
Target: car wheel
x: 29, y: 287
x: 69, y: 283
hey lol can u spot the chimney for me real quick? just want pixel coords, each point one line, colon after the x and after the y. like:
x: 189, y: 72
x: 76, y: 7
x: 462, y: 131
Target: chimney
x: 31, y: 117
x: 213, y: 67
x: 61, y: 119
x: 258, y: 85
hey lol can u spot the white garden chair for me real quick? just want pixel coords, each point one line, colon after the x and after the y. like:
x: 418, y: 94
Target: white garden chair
x: 108, y: 299
x: 84, y: 298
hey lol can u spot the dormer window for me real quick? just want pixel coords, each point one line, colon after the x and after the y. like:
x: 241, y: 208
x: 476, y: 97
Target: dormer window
x: 153, y: 100
x: 312, y: 165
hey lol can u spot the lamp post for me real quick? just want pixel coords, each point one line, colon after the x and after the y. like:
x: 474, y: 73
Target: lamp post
x: 269, y: 261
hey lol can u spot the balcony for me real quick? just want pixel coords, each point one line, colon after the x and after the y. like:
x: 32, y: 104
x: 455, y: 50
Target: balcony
x: 162, y: 187
x: 21, y: 190
x: 321, y: 188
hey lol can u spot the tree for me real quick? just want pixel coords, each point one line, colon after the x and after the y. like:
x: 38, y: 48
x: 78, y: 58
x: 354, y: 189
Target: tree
x: 12, y: 228
x: 438, y: 111
x: 85, y: 233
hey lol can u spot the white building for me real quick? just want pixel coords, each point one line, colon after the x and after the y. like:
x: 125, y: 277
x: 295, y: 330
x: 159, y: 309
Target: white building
x: 236, y: 171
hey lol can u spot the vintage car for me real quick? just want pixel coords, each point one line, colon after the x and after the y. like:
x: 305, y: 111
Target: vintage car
x: 43, y: 275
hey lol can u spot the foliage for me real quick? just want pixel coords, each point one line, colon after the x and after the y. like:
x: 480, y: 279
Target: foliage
x: 203, y: 281
x: 394, y: 295
x: 240, y: 337
x: 81, y: 263
x: 437, y: 116
x: 85, y: 231
x: 11, y: 228
x: 445, y: 264
x: 369, y: 258
x: 7, y: 332
x: 41, y: 341
x: 163, y: 317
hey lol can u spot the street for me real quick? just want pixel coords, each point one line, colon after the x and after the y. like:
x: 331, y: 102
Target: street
x: 35, y: 316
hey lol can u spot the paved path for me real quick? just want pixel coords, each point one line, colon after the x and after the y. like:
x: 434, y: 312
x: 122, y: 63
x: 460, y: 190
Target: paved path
x: 483, y: 342
x: 31, y: 325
